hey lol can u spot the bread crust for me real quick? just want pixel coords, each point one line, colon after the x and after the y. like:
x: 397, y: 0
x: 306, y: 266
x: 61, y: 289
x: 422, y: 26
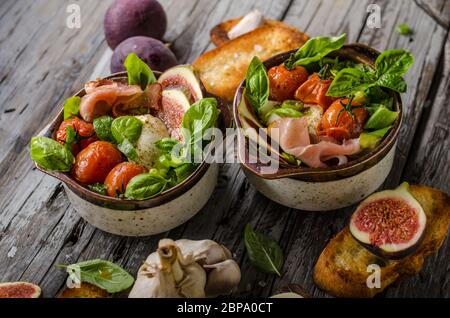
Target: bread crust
x: 341, y: 269
x: 222, y: 69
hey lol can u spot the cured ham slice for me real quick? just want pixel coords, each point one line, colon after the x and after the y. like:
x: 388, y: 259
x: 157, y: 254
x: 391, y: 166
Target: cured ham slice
x: 294, y: 139
x: 100, y: 99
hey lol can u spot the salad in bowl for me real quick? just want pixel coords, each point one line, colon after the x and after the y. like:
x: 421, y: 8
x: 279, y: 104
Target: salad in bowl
x: 124, y: 147
x: 330, y: 112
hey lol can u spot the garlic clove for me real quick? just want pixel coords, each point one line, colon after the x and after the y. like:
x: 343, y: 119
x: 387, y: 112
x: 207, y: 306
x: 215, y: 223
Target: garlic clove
x: 223, y: 278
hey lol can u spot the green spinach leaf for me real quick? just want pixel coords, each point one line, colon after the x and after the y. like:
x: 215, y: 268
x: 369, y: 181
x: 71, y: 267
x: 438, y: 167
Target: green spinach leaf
x: 139, y: 73
x: 263, y: 251
x: 50, y: 154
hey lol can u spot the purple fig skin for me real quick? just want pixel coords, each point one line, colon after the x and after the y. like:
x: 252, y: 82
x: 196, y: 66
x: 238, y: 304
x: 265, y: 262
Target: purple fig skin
x: 375, y: 250
x: 128, y: 18
x: 153, y: 52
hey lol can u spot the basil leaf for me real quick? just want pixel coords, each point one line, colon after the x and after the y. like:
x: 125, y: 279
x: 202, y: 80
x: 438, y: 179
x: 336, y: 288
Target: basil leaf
x: 314, y: 50
x: 50, y: 154
x: 170, y: 161
x: 182, y: 172
x: 71, y: 107
x: 71, y: 138
x: 256, y: 84
x: 392, y: 81
x: 201, y: 116
x: 166, y: 144
x: 348, y: 81
x: 369, y: 140
x: 139, y: 73
x: 128, y: 149
x: 102, y: 126
x: 404, y: 29
x: 145, y: 186
x: 263, y: 251
x: 381, y: 118
x: 103, y: 274
x: 394, y: 62
x: 126, y: 127
x: 99, y: 188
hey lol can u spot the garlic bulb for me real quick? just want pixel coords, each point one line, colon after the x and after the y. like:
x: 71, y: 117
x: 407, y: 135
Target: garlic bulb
x: 186, y: 268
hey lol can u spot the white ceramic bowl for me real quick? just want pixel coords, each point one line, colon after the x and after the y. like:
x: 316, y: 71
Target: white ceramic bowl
x: 319, y: 189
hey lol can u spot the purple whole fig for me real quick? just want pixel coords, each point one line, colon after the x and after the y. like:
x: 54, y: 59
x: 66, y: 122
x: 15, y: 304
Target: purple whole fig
x: 128, y: 18
x: 153, y: 52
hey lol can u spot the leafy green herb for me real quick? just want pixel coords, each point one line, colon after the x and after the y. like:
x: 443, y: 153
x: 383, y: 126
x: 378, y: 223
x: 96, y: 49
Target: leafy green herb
x: 263, y: 251
x: 201, y: 116
x: 381, y: 118
x: 71, y: 107
x: 182, y: 172
x: 103, y: 274
x: 257, y: 84
x: 145, y: 186
x: 99, y: 188
x: 126, y: 130
x: 390, y: 67
x: 50, y: 154
x: 71, y: 138
x: 166, y: 144
x: 126, y: 127
x: 128, y: 149
x: 102, y: 126
x: 404, y: 29
x: 139, y: 73
x: 314, y: 50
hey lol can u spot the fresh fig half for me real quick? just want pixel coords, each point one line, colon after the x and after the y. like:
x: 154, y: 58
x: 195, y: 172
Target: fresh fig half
x: 183, y: 78
x: 174, y: 104
x: 389, y: 223
x: 19, y: 290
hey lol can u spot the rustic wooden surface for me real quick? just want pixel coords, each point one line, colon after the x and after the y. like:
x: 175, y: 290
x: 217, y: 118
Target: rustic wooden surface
x: 43, y: 62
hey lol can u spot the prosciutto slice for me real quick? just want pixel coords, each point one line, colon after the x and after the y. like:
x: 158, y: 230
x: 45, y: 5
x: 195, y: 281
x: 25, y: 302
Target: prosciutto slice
x: 100, y: 99
x: 294, y: 139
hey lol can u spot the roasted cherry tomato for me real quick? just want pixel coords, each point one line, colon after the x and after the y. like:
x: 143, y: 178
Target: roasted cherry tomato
x: 283, y: 82
x: 339, y: 122
x: 93, y: 163
x: 118, y: 178
x: 314, y: 91
x: 84, y: 130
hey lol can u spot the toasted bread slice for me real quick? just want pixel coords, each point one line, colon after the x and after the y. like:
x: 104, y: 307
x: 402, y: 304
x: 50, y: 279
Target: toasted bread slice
x: 223, y: 68
x: 84, y: 291
x: 219, y: 34
x: 341, y: 269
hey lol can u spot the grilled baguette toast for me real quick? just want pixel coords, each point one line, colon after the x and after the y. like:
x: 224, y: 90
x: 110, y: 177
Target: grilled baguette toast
x: 219, y: 34
x: 341, y: 269
x: 223, y: 68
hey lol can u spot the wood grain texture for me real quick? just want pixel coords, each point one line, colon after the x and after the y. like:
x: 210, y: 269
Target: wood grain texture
x: 43, y: 62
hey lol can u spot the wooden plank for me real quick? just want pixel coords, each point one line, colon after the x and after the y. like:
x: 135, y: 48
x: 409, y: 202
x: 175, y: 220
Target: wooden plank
x: 305, y: 248
x: 29, y: 198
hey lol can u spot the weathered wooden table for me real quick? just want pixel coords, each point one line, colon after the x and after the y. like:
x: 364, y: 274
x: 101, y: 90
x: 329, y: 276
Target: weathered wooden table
x: 43, y: 62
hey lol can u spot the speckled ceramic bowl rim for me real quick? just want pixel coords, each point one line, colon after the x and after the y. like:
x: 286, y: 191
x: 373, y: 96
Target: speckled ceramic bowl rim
x: 121, y: 204
x: 353, y: 167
